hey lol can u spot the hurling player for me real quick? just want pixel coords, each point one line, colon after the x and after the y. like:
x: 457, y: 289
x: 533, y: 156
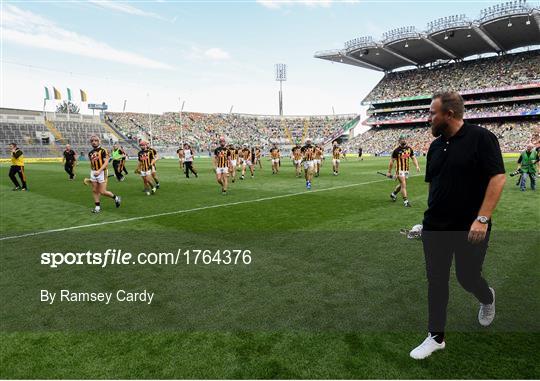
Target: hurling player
x: 99, y: 159
x: 402, y: 156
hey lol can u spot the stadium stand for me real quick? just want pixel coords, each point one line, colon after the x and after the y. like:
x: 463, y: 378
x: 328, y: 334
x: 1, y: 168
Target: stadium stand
x: 203, y: 130
x: 44, y: 135
x: 501, y: 89
x: 513, y: 137
x: 491, y: 72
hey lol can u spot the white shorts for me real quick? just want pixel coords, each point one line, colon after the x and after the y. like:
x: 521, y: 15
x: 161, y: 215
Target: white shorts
x: 98, y: 179
x: 222, y: 170
x: 335, y: 161
x: 297, y: 162
x: 247, y: 162
x: 403, y: 174
x: 308, y: 164
x: 275, y: 161
x: 146, y: 173
x: 233, y: 163
x: 317, y: 161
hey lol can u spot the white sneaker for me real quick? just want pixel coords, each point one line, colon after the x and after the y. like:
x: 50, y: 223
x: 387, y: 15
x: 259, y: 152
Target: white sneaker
x: 428, y: 346
x: 486, y: 314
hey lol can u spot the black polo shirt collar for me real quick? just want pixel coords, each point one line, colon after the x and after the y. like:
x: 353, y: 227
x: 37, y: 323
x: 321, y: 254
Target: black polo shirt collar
x: 461, y: 132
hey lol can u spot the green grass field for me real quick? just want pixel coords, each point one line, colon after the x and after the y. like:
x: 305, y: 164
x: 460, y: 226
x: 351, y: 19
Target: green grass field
x: 333, y: 289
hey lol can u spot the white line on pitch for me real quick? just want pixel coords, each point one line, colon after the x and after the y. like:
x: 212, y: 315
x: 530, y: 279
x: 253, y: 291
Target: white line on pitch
x: 187, y: 210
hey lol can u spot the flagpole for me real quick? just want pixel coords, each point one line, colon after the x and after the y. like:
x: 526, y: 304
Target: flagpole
x: 149, y: 120
x: 181, y: 124
x: 45, y: 102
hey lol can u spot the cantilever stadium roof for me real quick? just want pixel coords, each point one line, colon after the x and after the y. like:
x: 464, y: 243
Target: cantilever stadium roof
x: 499, y: 29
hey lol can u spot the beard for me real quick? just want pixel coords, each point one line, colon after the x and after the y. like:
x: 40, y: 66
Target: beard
x: 438, y: 130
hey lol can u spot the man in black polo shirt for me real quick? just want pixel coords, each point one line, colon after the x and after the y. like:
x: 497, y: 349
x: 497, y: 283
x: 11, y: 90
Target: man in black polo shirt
x: 465, y: 172
x: 70, y: 159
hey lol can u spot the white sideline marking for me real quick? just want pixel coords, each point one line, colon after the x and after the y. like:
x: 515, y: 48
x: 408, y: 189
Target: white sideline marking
x: 188, y: 210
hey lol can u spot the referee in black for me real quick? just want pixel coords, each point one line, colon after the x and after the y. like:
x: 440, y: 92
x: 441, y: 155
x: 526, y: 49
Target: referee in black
x: 70, y: 159
x: 465, y: 172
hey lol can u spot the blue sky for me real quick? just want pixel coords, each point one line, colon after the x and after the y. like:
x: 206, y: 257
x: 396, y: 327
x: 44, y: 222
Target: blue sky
x: 212, y: 55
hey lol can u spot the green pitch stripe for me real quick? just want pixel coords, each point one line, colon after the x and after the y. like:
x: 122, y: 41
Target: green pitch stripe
x: 191, y: 210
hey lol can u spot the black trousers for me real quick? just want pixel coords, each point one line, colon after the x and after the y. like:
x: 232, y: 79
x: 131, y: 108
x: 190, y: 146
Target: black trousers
x: 68, y: 167
x: 117, y: 165
x: 17, y: 169
x: 189, y: 167
x: 123, y: 162
x: 439, y: 249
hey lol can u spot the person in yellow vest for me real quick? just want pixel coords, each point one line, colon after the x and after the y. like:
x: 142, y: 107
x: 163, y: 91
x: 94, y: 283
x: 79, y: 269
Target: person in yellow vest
x: 17, y: 167
x: 117, y: 155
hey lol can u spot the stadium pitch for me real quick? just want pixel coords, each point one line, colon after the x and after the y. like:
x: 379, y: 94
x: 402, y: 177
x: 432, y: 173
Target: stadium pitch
x: 323, y: 284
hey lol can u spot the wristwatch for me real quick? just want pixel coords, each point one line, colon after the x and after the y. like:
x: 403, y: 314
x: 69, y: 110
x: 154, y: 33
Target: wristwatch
x: 482, y: 219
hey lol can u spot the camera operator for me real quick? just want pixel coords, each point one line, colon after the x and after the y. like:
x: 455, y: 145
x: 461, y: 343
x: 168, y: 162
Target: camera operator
x: 527, y: 167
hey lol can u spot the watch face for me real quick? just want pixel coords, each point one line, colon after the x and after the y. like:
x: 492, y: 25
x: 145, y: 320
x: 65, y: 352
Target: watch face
x: 483, y: 219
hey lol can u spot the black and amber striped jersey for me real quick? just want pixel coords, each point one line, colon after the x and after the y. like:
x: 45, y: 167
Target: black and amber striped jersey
x: 402, y: 155
x: 145, y: 159
x: 233, y: 153
x: 318, y: 153
x: 257, y: 153
x: 297, y: 153
x: 246, y: 154
x: 308, y: 152
x: 98, y: 156
x: 222, y: 157
x: 274, y: 153
x: 154, y: 155
x: 336, y: 152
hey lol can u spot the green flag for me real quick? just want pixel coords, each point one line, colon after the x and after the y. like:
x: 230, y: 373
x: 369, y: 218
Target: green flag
x: 47, y: 96
x: 69, y: 94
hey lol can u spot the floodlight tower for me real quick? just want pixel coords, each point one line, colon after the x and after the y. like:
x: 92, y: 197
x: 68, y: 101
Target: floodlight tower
x: 281, y: 76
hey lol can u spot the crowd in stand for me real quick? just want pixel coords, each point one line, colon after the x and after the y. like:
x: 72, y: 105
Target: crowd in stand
x: 470, y: 111
x: 513, y: 136
x: 203, y: 130
x: 511, y: 69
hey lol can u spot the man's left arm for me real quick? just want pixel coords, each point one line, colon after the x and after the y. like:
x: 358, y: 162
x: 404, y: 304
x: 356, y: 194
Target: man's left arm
x: 493, y: 194
x: 492, y: 166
